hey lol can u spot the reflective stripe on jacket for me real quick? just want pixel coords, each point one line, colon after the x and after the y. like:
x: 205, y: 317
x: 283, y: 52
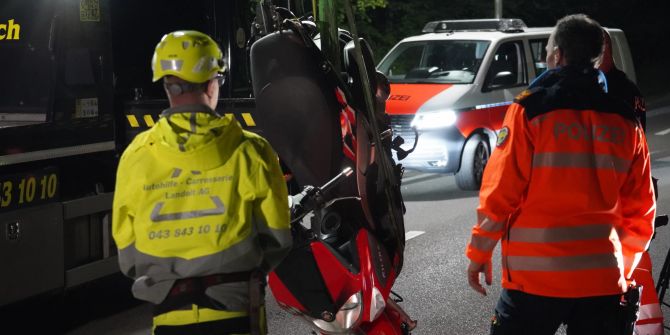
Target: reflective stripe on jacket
x: 568, y: 189
x: 196, y: 195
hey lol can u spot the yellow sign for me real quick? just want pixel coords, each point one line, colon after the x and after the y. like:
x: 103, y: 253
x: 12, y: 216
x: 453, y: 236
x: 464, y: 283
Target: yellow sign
x: 10, y: 30
x: 89, y: 10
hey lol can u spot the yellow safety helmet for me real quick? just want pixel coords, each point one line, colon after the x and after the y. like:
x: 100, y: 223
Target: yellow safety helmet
x: 189, y: 55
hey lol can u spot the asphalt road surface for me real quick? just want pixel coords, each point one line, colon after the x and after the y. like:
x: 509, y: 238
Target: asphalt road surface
x: 433, y: 281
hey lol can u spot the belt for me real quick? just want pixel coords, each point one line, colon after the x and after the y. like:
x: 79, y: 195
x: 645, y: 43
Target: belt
x: 187, y: 291
x: 200, y: 284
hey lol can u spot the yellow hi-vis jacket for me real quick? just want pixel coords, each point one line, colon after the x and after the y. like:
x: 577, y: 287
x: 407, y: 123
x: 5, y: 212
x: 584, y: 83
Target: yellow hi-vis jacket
x: 196, y: 195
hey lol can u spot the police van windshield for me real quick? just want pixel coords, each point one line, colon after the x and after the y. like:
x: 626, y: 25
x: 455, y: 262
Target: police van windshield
x: 439, y: 62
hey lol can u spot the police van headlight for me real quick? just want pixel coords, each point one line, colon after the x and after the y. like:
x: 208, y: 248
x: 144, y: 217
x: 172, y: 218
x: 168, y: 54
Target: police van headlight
x: 346, y: 318
x: 434, y: 120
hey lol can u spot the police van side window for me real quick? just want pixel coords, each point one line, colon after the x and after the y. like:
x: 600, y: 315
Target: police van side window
x: 507, y: 67
x: 539, y: 53
x: 26, y: 62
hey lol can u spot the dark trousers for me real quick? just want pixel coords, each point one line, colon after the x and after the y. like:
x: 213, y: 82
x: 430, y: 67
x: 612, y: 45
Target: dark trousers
x: 519, y: 313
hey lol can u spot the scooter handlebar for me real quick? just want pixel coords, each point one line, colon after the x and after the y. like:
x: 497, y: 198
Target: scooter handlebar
x: 306, y: 200
x: 344, y: 174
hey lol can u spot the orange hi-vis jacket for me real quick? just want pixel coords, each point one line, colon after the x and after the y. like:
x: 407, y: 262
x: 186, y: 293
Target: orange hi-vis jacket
x: 568, y: 190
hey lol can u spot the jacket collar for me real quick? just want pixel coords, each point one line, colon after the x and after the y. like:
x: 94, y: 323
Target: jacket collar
x: 194, y: 137
x: 571, y: 78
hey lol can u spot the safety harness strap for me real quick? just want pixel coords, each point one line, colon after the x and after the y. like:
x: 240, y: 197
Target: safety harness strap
x: 188, y: 291
x: 256, y: 298
x: 191, y: 291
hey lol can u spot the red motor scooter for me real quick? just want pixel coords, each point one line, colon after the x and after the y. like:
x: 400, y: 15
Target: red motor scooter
x: 339, y: 274
x: 345, y: 275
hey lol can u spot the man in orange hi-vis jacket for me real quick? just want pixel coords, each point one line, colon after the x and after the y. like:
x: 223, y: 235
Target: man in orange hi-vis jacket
x: 650, y: 319
x: 619, y: 85
x: 568, y: 190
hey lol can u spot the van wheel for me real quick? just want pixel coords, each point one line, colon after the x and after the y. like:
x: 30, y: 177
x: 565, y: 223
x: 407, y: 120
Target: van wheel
x: 476, y: 154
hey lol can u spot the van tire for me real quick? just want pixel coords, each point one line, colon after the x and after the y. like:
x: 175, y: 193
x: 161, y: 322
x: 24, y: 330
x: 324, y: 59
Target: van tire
x: 475, y: 155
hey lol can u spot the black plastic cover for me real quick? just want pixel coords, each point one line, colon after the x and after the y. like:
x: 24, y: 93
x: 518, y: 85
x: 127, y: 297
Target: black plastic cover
x: 296, y: 106
x: 301, y: 276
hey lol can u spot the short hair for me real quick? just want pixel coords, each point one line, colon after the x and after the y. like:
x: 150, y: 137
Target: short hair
x: 580, y: 39
x: 177, y: 86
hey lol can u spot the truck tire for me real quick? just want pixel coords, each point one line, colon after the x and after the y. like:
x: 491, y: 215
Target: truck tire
x: 475, y: 155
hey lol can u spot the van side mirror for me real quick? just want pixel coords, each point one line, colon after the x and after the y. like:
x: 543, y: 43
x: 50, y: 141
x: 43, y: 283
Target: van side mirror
x: 503, y: 78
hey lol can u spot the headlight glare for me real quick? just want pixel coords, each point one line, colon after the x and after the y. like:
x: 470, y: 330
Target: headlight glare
x: 434, y: 120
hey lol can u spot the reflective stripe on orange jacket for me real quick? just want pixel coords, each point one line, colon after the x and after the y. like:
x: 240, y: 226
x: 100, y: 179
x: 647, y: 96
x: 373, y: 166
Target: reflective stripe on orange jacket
x: 568, y: 189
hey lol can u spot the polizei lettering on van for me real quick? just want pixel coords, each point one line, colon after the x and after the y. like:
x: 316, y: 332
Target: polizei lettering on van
x: 10, y: 30
x: 580, y: 132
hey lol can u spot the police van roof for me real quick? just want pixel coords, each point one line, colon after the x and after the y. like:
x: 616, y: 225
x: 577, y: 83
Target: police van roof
x: 504, y: 25
x: 493, y: 35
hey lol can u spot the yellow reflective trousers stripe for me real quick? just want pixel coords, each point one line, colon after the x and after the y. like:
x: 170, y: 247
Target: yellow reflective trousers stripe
x: 199, y: 314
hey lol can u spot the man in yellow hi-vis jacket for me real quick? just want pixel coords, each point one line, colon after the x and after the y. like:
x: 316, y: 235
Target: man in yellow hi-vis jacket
x: 200, y: 210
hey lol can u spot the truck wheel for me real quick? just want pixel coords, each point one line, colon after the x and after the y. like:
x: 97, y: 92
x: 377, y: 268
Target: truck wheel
x: 475, y: 155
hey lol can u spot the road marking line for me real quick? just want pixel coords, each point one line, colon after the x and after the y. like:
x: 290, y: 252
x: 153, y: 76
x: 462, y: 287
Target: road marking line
x: 422, y: 176
x: 665, y: 132
x: 412, y: 234
x: 409, y: 179
x: 657, y: 112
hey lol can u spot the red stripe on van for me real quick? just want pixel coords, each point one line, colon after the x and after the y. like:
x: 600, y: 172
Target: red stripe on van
x: 486, y: 118
x: 407, y: 98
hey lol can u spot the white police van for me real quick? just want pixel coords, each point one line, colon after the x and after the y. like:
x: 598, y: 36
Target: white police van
x: 454, y: 84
